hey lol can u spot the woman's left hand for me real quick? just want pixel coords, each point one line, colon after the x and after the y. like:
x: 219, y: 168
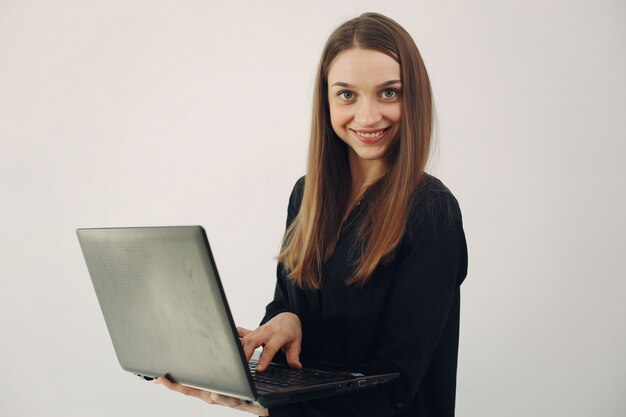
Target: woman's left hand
x: 213, y: 398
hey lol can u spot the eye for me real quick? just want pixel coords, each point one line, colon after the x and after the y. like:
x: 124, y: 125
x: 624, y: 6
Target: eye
x: 346, y: 95
x: 389, y: 93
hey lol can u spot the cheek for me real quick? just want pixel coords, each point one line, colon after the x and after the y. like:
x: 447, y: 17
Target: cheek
x: 339, y: 116
x: 395, y: 113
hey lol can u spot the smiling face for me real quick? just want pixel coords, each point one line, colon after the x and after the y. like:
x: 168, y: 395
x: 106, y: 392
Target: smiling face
x: 364, y: 96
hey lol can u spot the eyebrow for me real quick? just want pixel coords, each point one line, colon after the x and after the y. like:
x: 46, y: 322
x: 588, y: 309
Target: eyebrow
x: 385, y: 84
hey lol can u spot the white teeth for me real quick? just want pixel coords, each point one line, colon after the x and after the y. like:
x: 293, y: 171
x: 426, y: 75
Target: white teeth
x: 370, y: 135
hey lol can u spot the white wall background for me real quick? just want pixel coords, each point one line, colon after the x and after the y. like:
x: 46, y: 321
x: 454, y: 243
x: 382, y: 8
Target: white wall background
x: 197, y: 112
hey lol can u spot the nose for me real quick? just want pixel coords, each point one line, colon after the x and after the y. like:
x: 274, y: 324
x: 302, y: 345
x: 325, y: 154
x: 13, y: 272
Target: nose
x: 367, y: 113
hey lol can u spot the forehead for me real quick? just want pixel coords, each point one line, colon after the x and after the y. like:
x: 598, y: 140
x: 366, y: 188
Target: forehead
x: 363, y: 67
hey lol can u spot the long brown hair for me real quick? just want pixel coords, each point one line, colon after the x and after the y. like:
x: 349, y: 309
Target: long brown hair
x: 311, y: 237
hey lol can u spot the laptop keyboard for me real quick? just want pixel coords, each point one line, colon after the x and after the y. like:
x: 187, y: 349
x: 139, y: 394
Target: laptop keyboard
x: 286, y: 377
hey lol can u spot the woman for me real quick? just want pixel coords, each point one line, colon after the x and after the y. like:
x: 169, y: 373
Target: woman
x: 374, y: 252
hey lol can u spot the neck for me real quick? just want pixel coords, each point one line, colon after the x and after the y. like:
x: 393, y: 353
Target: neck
x: 364, y: 172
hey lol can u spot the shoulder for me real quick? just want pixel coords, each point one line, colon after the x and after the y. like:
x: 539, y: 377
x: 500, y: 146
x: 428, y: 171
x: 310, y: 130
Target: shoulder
x: 433, y: 209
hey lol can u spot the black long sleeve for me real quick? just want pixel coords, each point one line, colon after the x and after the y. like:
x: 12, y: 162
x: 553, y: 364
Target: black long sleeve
x: 405, y: 318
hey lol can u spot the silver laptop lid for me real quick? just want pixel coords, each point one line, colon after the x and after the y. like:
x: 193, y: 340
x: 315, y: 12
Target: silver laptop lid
x: 164, y: 307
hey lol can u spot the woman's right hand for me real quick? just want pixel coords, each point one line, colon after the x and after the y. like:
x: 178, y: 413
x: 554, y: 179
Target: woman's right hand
x: 282, y: 332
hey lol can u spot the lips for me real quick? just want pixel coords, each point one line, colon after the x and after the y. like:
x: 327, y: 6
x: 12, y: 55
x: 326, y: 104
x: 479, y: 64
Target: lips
x: 370, y: 135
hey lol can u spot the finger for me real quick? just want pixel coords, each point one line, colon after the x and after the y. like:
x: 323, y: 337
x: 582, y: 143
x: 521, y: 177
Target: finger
x: 269, y: 351
x: 293, y: 355
x: 225, y: 400
x: 250, y: 343
x: 242, y: 331
x: 255, y: 409
x: 185, y: 390
x: 165, y: 382
x: 249, y: 346
x: 174, y: 386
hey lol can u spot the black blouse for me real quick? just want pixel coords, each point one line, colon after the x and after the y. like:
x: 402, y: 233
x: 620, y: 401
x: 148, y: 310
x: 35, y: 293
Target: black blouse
x: 406, y: 318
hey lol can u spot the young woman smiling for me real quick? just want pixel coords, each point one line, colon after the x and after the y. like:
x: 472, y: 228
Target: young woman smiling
x: 374, y: 253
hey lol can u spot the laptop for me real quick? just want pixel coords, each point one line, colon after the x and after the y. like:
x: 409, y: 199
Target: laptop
x: 167, y: 314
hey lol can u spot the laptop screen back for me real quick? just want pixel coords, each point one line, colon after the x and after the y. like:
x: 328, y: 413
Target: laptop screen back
x: 164, y: 307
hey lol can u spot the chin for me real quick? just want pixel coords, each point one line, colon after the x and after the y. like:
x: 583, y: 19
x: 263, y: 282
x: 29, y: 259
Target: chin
x: 371, y: 154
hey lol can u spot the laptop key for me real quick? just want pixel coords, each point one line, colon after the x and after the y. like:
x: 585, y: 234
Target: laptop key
x: 284, y: 377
